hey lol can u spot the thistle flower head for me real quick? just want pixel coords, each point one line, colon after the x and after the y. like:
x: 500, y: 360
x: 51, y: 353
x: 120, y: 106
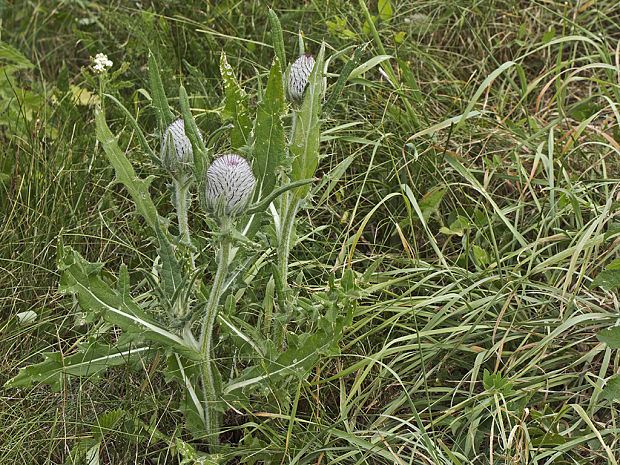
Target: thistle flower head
x: 176, y: 153
x: 229, y: 185
x: 298, y: 77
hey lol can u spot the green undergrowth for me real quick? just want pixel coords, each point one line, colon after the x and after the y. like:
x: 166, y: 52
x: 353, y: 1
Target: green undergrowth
x: 470, y: 179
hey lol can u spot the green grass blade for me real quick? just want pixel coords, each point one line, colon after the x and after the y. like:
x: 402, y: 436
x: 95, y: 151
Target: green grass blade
x: 201, y: 155
x: 482, y: 88
x: 134, y: 124
x: 160, y: 102
x: 331, y: 101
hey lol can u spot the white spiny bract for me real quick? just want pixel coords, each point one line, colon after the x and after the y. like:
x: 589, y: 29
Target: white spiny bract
x: 298, y: 77
x: 176, y: 153
x: 229, y: 185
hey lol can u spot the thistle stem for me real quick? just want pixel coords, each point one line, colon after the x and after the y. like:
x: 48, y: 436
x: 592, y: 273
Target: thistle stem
x: 288, y: 210
x: 286, y: 229
x: 181, y: 203
x: 293, y: 123
x: 284, y: 246
x: 212, y: 421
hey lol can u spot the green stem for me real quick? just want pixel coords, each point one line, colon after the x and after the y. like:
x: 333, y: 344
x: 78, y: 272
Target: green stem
x: 181, y: 197
x: 286, y: 229
x: 293, y: 123
x: 212, y: 422
x: 181, y: 203
x: 284, y: 247
x: 101, y: 99
x: 288, y: 210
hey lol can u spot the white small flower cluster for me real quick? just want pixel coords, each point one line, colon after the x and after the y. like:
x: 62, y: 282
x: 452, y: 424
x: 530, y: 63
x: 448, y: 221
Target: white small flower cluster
x: 101, y: 63
x: 85, y: 21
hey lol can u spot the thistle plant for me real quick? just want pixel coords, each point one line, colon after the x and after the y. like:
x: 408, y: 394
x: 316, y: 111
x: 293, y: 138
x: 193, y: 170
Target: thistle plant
x: 177, y: 158
x: 235, y: 192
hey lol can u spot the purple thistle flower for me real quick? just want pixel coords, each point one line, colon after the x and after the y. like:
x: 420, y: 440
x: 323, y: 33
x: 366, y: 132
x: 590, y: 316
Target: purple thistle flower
x: 298, y: 77
x: 229, y: 185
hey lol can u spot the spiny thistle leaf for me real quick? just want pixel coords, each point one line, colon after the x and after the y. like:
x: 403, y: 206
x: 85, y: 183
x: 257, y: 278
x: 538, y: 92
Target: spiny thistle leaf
x: 138, y: 189
x: 125, y: 174
x: 276, y: 33
x: 90, y: 361
x: 95, y: 296
x: 301, y: 355
x: 236, y: 106
x: 270, y: 145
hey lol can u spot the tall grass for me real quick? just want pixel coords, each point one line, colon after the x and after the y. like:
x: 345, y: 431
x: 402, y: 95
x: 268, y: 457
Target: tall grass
x: 476, y: 196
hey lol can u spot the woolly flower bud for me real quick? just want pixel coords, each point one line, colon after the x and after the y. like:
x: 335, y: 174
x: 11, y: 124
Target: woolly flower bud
x: 176, y: 154
x: 229, y: 185
x: 298, y: 77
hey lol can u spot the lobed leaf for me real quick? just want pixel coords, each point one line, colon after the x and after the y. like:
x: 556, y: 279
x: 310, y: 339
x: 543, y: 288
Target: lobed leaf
x: 170, y: 267
x: 90, y: 361
x: 125, y: 174
x: 297, y: 360
x: 95, y: 296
